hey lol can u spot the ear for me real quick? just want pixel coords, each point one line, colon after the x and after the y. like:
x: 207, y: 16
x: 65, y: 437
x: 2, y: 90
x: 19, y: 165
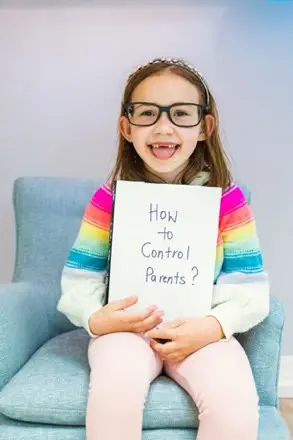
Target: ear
x: 210, y: 125
x: 125, y: 128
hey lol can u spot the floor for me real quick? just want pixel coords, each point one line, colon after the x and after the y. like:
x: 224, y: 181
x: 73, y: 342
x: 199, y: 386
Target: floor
x: 286, y: 409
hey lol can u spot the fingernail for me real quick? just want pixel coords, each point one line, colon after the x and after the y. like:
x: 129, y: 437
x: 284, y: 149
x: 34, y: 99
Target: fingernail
x: 153, y: 307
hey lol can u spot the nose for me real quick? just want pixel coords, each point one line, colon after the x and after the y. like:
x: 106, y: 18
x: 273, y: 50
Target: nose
x: 164, y: 125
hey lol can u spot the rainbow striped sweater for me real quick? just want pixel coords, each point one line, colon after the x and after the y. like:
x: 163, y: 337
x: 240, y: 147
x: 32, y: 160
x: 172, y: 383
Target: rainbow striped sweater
x: 241, y: 287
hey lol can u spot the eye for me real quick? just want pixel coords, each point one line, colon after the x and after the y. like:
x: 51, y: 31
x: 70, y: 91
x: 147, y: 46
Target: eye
x: 180, y: 113
x: 147, y: 113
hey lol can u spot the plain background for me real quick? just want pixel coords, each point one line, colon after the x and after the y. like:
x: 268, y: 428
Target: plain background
x: 62, y: 72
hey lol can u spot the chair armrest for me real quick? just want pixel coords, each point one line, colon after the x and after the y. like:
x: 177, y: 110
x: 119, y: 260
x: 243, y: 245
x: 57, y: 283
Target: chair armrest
x: 24, y: 326
x: 263, y: 345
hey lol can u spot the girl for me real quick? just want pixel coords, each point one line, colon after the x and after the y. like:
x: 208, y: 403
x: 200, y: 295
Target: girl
x: 169, y: 133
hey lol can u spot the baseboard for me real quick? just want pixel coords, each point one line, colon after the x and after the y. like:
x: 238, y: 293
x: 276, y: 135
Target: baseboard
x: 286, y: 377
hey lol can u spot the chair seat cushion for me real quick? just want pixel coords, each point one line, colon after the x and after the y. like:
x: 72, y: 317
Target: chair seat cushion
x: 52, y: 388
x: 271, y: 427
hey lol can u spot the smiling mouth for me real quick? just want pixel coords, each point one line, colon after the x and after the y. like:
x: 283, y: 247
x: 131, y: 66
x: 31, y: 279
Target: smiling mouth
x: 164, y: 150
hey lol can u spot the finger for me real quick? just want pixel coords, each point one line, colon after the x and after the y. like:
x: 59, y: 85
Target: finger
x: 173, y: 324
x: 164, y: 349
x: 174, y: 358
x: 149, y: 323
x: 161, y: 333
x: 137, y: 317
x: 124, y: 303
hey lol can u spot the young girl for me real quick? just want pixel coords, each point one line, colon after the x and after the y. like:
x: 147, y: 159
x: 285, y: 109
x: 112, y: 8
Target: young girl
x: 169, y: 133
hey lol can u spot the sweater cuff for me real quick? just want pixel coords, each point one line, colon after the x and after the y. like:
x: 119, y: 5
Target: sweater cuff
x: 85, y: 321
x: 227, y: 317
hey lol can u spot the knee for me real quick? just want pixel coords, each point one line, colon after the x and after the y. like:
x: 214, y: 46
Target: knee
x: 122, y: 367
x: 117, y: 387
x: 117, y: 379
x: 238, y: 418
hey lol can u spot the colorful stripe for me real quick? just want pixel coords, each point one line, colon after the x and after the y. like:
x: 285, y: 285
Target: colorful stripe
x: 238, y: 247
x: 91, y: 247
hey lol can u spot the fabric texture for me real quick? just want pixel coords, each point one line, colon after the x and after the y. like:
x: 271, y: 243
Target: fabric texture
x: 219, y: 417
x: 241, y: 294
x: 237, y: 231
x: 44, y: 367
x: 60, y: 370
x: 271, y: 427
x: 24, y: 325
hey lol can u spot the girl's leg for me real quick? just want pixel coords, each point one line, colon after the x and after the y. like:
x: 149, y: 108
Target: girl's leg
x: 220, y: 381
x: 122, y: 367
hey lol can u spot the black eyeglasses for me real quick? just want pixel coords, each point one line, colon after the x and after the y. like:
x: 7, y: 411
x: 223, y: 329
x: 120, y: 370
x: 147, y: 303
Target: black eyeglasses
x: 182, y: 114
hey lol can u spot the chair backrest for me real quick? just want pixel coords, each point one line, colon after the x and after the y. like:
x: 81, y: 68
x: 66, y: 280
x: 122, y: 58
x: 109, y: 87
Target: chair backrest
x: 48, y: 212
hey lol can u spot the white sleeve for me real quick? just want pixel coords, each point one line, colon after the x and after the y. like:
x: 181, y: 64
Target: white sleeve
x: 82, y: 294
x: 240, y: 301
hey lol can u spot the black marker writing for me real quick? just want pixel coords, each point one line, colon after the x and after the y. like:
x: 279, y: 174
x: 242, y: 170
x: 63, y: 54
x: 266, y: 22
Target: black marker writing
x: 194, y: 271
x: 151, y: 251
x: 152, y: 277
x: 160, y: 214
x: 166, y: 234
x: 164, y: 254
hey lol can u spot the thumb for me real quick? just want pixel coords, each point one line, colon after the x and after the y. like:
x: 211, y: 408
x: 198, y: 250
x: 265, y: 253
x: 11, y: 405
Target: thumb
x: 123, y: 303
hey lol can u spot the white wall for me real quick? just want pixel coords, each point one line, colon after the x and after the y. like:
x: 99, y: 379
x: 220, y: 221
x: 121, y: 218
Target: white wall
x: 62, y: 72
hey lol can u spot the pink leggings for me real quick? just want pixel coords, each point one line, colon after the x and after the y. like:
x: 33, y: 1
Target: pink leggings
x: 217, y: 377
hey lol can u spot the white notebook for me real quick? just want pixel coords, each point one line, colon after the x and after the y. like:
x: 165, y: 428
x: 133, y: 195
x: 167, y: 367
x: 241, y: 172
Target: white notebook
x: 163, y: 242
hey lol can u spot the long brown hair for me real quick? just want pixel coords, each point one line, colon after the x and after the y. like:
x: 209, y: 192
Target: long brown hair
x: 208, y: 155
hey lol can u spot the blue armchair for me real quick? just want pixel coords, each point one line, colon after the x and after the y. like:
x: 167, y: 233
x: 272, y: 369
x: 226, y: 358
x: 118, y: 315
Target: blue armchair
x: 44, y: 372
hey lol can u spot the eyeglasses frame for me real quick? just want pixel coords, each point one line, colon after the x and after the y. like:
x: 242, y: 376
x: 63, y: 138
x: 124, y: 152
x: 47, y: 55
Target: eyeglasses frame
x: 162, y: 109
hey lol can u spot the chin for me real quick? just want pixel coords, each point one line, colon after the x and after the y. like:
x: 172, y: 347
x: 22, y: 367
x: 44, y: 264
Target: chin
x: 168, y: 173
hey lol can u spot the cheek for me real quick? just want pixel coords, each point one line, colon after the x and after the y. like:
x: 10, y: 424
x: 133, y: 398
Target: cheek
x: 140, y: 136
x: 190, y: 137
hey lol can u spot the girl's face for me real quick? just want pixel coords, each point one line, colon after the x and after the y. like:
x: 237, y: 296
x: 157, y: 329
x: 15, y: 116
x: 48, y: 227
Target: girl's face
x: 164, y: 147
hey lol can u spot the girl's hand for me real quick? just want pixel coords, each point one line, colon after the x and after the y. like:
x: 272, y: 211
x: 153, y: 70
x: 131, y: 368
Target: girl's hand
x: 114, y: 318
x: 185, y: 337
